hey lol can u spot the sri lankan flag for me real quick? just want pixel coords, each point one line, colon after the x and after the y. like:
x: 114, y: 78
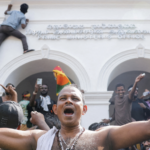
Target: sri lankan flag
x: 61, y: 79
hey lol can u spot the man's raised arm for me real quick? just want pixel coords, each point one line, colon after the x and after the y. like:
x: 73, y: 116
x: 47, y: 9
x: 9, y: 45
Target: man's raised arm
x: 130, y: 134
x: 32, y: 100
x: 131, y: 94
x: 8, y: 9
x: 16, y: 140
x: 38, y: 119
x: 24, y: 25
x: 11, y: 91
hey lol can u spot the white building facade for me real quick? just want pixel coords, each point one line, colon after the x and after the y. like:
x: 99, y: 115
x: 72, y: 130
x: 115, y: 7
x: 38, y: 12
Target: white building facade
x: 95, y: 42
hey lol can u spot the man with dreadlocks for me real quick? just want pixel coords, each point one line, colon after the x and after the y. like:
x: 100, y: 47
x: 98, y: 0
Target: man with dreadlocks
x: 9, y: 25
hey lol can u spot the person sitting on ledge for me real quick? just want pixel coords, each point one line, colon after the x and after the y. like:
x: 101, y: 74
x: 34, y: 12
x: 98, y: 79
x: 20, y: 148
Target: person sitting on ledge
x: 69, y: 109
x: 9, y: 25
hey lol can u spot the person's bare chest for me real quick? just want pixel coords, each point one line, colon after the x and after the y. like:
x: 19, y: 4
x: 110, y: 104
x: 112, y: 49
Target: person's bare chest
x: 83, y: 143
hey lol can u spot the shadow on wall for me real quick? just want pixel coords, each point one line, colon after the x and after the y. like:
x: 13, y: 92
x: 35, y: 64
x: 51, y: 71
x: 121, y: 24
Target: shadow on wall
x: 29, y: 83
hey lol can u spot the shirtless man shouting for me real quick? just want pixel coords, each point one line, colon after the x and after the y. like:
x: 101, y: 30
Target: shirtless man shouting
x: 69, y: 109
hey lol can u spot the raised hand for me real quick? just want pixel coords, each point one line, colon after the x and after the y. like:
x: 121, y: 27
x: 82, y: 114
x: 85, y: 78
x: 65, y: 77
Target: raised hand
x: 39, y: 120
x: 146, y: 90
x: 36, y: 88
x: 11, y: 90
x: 27, y: 20
x: 36, y: 118
x: 139, y: 78
x: 10, y: 5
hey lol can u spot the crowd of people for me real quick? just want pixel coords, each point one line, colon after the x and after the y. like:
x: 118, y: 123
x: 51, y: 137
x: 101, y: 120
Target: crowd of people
x: 128, y: 108
x: 38, y: 122
x: 42, y: 104
x: 41, y: 123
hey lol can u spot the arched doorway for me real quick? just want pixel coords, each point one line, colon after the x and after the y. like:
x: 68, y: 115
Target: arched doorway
x: 44, y: 61
x: 128, y: 60
x: 115, y: 69
x: 128, y: 70
x: 126, y: 73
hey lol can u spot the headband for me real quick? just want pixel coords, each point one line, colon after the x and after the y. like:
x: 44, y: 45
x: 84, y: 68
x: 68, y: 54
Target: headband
x: 131, y: 89
x: 27, y: 95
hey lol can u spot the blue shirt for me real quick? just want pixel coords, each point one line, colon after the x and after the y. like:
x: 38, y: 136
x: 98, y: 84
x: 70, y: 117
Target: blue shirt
x: 15, y: 19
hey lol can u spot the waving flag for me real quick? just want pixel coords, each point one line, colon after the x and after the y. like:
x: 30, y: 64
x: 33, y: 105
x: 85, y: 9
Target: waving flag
x: 61, y: 79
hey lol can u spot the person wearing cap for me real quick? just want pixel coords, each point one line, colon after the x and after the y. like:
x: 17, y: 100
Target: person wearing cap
x: 9, y: 25
x: 140, y: 109
x: 25, y: 104
x: 44, y: 104
x: 6, y: 95
x: 122, y: 102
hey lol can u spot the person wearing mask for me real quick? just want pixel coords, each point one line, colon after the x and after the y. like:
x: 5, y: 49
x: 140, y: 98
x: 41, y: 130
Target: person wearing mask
x: 140, y: 109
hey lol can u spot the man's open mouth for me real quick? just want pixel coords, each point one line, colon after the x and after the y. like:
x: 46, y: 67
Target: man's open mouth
x: 147, y: 147
x: 68, y: 112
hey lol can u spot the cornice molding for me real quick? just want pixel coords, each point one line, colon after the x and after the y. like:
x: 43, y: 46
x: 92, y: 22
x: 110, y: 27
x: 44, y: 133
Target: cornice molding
x: 5, y: 2
x: 98, y: 98
x: 84, y: 20
x: 84, y: 2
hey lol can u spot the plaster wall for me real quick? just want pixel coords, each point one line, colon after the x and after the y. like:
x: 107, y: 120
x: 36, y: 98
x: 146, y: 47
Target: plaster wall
x: 93, y: 58
x: 92, y: 54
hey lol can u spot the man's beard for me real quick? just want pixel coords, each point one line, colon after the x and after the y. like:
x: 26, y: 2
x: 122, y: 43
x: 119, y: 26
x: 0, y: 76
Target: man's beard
x: 44, y: 94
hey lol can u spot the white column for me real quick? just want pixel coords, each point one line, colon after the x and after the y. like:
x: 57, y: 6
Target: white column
x: 98, y: 107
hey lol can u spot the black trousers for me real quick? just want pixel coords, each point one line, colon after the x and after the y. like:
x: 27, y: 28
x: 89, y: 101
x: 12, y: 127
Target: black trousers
x: 6, y: 31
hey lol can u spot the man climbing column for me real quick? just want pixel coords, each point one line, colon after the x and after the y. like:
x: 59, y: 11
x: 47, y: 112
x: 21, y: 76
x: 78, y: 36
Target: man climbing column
x: 9, y: 25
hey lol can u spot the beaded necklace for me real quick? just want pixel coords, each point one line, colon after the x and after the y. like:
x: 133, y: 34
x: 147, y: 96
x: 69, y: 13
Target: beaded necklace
x: 72, y: 147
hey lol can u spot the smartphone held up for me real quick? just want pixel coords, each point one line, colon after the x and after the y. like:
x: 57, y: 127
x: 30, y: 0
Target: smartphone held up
x: 39, y: 81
